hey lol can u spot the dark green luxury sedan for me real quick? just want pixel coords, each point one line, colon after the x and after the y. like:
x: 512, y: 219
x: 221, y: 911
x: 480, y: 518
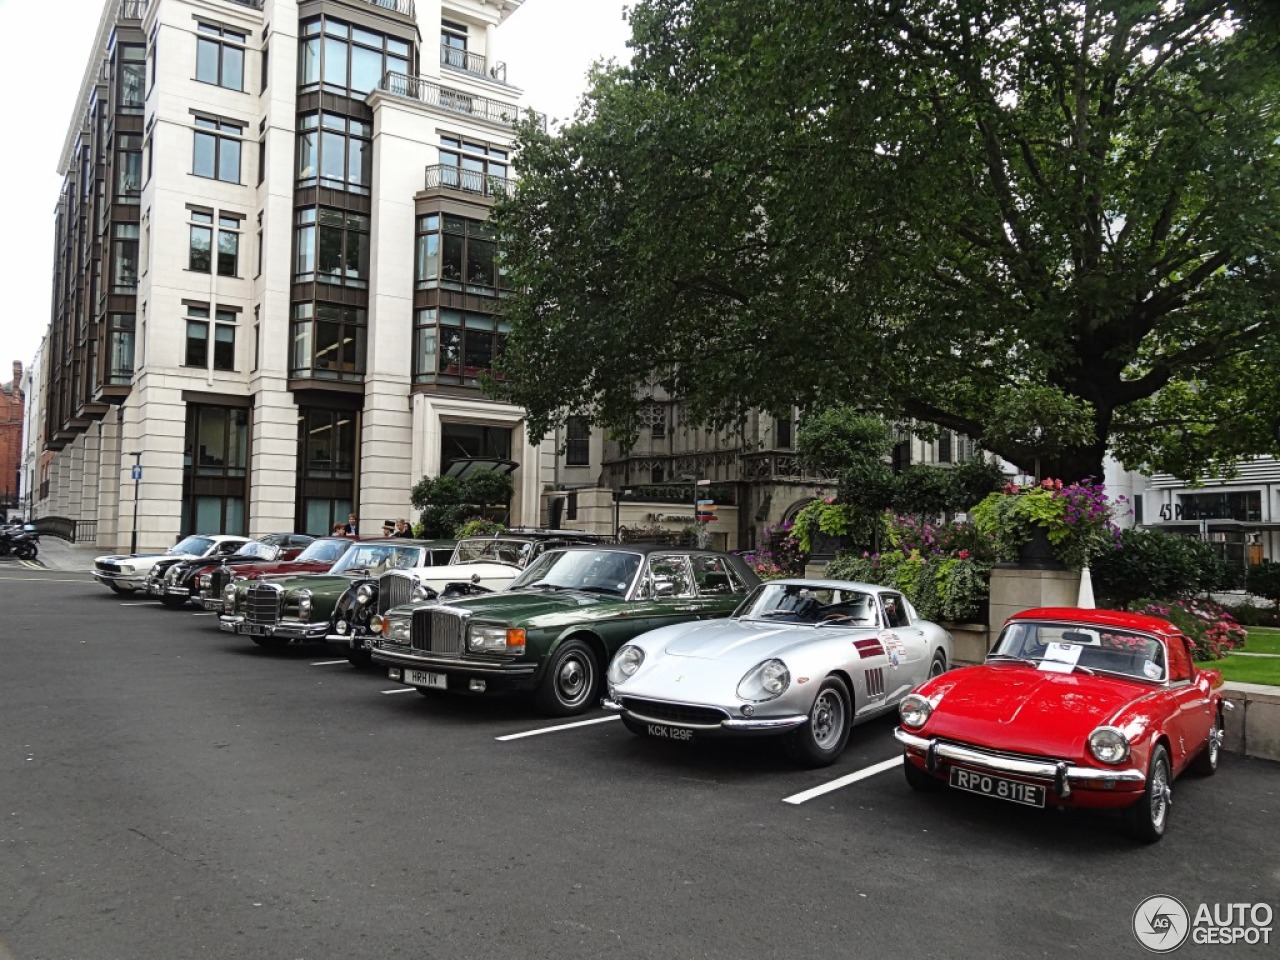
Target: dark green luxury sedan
x: 555, y: 628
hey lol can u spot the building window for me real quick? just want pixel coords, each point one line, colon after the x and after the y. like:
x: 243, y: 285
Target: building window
x: 266, y: 72
x: 200, y: 259
x: 452, y: 346
x: 577, y: 447
x: 471, y: 441
x: 944, y: 447
x: 457, y: 253
x: 197, y: 352
x: 453, y: 44
x: 332, y: 246
x: 327, y: 442
x: 473, y: 167
x: 153, y: 54
x: 347, y: 59
x: 131, y: 92
x: 216, y: 152
x: 328, y: 342
x: 257, y: 338
x: 783, y: 438
x: 335, y: 151
x: 128, y: 167
x: 220, y: 56
x: 120, y: 329
x: 262, y: 159
x: 224, y: 338
x: 124, y: 258
x: 214, y: 474
x: 224, y: 341
x: 228, y: 246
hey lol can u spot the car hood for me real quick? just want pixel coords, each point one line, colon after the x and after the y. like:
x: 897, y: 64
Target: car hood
x: 315, y: 582
x: 543, y: 608
x: 1018, y: 708
x: 123, y: 557
x: 741, y: 641
x: 481, y: 571
x: 279, y: 568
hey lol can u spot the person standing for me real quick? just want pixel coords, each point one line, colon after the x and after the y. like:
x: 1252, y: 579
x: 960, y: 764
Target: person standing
x: 403, y: 529
x: 351, y: 529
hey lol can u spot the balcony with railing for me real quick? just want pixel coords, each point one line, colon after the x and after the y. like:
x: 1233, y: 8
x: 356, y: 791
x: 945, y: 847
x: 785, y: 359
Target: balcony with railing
x: 455, y: 101
x: 132, y: 9
x: 404, y: 7
x: 469, y: 62
x: 474, y: 182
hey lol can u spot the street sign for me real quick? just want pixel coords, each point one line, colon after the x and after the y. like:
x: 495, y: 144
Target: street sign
x: 136, y: 472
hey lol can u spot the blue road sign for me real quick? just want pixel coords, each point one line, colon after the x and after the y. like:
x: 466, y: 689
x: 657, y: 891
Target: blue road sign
x: 137, y: 472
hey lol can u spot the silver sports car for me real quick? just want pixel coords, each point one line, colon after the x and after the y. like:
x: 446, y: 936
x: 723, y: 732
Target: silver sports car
x: 804, y: 658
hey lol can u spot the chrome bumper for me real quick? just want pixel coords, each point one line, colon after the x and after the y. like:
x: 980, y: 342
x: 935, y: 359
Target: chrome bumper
x: 211, y: 603
x: 286, y: 631
x: 415, y: 661
x: 729, y: 724
x: 1059, y: 771
x: 129, y: 581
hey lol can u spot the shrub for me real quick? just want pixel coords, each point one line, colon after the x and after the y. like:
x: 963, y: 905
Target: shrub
x: 1076, y: 517
x: 1152, y: 563
x: 1210, y: 627
x: 1250, y: 614
x: 779, y: 554
x: 478, y: 527
x: 939, y: 587
x: 1263, y: 580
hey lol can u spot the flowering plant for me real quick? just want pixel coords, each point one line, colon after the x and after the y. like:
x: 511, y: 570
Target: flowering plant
x: 779, y: 554
x: 1211, y: 629
x: 822, y: 515
x: 1077, y: 518
x: 478, y: 527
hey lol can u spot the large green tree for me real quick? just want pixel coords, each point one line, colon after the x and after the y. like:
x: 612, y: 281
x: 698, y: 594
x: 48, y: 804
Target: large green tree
x: 937, y: 209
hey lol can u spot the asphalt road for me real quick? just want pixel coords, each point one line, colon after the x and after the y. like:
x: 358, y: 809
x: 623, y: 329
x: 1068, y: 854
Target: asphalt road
x: 169, y: 791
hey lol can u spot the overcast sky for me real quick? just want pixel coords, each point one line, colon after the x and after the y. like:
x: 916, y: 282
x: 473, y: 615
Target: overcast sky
x: 44, y: 46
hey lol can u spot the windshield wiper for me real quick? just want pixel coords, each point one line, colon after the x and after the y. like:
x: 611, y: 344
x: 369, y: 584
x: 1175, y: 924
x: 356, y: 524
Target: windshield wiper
x: 1074, y: 666
x: 608, y: 591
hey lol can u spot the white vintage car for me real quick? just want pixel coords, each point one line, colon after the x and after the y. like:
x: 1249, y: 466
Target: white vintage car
x: 127, y: 573
x: 807, y: 659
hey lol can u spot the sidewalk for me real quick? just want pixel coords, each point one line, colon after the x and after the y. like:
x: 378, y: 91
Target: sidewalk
x: 56, y: 554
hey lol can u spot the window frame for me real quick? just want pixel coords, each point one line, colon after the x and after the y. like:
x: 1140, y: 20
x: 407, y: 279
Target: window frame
x: 223, y: 39
x: 222, y: 133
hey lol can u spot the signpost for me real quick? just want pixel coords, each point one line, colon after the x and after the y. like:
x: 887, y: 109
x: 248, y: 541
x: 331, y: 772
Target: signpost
x: 136, y: 475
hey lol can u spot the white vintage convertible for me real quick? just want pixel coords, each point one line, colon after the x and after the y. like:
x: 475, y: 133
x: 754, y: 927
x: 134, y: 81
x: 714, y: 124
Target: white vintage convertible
x: 807, y: 659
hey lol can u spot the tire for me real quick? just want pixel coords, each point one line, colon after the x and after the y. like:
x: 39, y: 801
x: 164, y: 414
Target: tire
x: 174, y: 603
x: 270, y: 643
x: 938, y: 666
x: 820, y: 742
x: 917, y: 779
x: 25, y: 551
x: 123, y: 591
x: 1147, y: 820
x: 635, y: 726
x: 1206, y: 762
x: 570, y: 683
x: 360, y: 658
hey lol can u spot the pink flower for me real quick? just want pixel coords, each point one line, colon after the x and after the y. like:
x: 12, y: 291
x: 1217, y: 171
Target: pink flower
x: 963, y: 554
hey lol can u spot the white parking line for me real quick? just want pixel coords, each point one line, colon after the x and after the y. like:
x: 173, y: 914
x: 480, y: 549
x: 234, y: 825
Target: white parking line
x: 871, y: 771
x: 204, y: 614
x: 563, y: 726
x: 397, y: 689
x: 40, y: 580
x: 139, y: 603
x: 329, y: 663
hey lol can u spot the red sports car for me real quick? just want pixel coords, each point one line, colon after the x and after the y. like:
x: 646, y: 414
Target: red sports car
x: 1072, y: 708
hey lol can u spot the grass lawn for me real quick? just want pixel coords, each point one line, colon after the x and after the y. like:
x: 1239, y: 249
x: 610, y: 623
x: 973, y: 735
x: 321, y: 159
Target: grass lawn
x: 1248, y: 669
x: 1263, y: 640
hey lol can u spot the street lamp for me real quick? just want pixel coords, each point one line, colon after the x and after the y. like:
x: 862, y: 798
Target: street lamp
x: 137, y: 477
x: 697, y: 530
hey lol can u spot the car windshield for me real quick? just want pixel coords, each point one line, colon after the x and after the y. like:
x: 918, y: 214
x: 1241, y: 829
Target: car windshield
x: 595, y: 571
x: 1093, y: 648
x: 377, y: 558
x: 193, y: 546
x: 499, y: 549
x: 323, y: 551
x: 256, y: 548
x: 809, y: 603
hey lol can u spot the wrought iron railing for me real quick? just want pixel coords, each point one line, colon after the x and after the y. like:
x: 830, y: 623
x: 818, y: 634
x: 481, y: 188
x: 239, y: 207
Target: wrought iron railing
x: 471, y: 62
x: 64, y: 528
x: 467, y: 181
x: 255, y: 4
x: 132, y: 9
x: 399, y: 6
x: 455, y: 101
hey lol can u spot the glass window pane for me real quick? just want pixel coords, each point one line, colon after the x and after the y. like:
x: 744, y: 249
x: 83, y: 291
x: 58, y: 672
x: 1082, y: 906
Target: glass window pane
x: 207, y: 60
x: 229, y: 161
x: 224, y: 347
x: 344, y: 445
x: 357, y: 255
x: 205, y: 151
x: 479, y: 355
x: 399, y: 47
x: 332, y: 156
x: 132, y: 80
x: 451, y: 262
x: 201, y: 244
x: 233, y: 68
x: 329, y: 257
x: 197, y: 344
x: 235, y: 516
x: 208, y: 515
x: 366, y: 69
x: 301, y: 348
x: 306, y: 262
x: 306, y: 155
x: 228, y: 253
x: 450, y: 350
x: 428, y: 260
x: 238, y: 441
x: 211, y: 449
x: 359, y: 165
x: 480, y: 257
x: 335, y: 62
x: 309, y: 62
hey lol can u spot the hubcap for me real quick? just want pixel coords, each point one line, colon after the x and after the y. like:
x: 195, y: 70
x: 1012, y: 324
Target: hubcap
x: 1161, y: 795
x: 937, y: 669
x: 827, y: 720
x: 1215, y: 743
x: 574, y: 679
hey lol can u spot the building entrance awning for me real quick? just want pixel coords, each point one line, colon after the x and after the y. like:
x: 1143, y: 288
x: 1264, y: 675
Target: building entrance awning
x: 461, y: 469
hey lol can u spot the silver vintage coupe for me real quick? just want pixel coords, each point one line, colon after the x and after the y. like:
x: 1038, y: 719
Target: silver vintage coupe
x: 803, y: 658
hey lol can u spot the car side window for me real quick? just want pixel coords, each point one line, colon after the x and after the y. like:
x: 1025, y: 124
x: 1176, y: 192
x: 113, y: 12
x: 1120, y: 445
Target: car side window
x: 670, y: 575
x: 713, y: 577
x: 1179, y: 660
x: 895, y: 610
x: 228, y: 547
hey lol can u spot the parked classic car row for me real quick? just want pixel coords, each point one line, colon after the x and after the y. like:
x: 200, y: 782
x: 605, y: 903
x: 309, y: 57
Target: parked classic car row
x: 1072, y: 708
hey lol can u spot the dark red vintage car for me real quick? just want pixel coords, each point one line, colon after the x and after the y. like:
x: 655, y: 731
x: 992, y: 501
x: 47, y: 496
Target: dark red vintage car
x: 1072, y: 708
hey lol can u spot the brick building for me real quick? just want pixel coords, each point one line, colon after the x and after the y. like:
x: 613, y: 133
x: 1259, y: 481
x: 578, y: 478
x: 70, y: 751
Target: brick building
x: 11, y: 414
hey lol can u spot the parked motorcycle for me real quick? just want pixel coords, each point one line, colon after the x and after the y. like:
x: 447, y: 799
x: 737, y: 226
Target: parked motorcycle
x: 19, y: 540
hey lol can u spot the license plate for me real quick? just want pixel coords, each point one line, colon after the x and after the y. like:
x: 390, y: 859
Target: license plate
x: 253, y: 629
x: 424, y: 678
x: 668, y: 733
x: 1028, y: 794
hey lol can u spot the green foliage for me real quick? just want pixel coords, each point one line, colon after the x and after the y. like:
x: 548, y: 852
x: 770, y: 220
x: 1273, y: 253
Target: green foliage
x: 1263, y: 580
x: 1209, y: 626
x: 1250, y: 614
x: 1076, y: 518
x: 937, y: 209
x: 832, y: 439
x: 478, y: 527
x: 447, y: 502
x: 1152, y: 563
x: 822, y: 516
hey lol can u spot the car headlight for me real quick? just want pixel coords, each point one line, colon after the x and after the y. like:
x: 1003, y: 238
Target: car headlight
x: 304, y: 604
x: 127, y: 569
x: 914, y: 711
x: 364, y: 593
x: 206, y: 580
x: 229, y: 598
x: 488, y: 638
x: 423, y: 592
x: 765, y: 681
x: 625, y: 663
x: 171, y: 575
x: 397, y: 629
x: 1109, y: 745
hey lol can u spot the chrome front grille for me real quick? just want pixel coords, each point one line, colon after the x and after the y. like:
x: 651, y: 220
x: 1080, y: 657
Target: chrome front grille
x: 438, y: 630
x: 394, y: 589
x: 262, y: 603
